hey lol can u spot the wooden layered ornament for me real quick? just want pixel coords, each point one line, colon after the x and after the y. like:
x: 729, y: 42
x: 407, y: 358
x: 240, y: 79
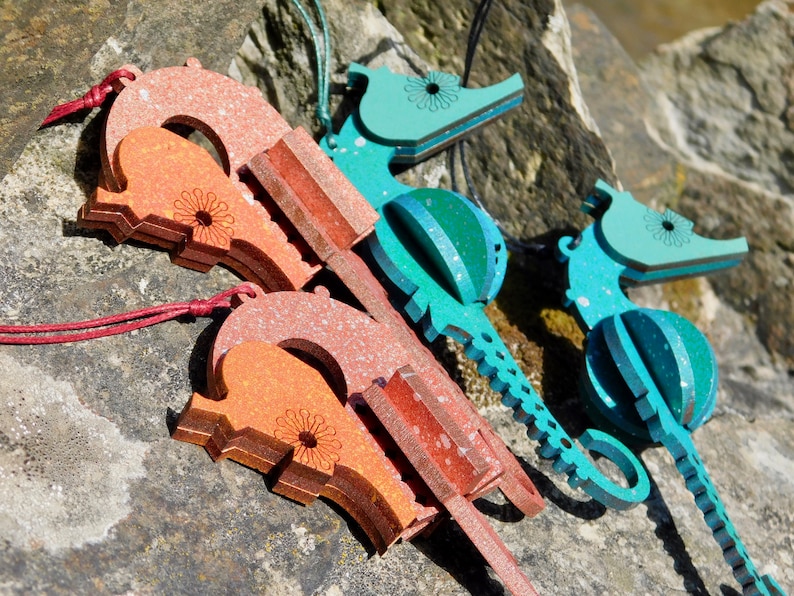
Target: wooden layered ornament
x: 650, y: 376
x: 290, y: 370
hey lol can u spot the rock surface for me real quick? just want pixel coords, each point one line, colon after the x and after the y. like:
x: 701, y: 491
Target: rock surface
x: 724, y: 106
x: 54, y: 51
x: 97, y: 498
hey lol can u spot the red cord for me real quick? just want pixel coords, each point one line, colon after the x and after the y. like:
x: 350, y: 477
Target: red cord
x: 93, y: 99
x: 120, y: 323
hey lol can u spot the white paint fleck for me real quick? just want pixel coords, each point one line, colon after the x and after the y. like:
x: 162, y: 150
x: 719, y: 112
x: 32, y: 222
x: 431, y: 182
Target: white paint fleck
x: 445, y: 441
x: 360, y: 142
x: 144, y: 93
x: 142, y: 285
x: 583, y: 301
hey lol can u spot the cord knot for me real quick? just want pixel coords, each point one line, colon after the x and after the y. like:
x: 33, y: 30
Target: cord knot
x: 93, y: 99
x: 96, y: 95
x: 201, y: 308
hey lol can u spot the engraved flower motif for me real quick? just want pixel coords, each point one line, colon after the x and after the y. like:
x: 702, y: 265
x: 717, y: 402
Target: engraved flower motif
x: 314, y: 441
x: 438, y: 90
x: 207, y: 215
x: 669, y: 227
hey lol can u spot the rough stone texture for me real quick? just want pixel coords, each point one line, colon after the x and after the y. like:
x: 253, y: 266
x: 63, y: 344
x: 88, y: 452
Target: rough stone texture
x: 723, y: 104
x: 548, y: 153
x: 173, y: 521
x: 54, y: 50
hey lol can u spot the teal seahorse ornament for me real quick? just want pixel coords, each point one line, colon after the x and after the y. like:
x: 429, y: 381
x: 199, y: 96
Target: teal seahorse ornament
x: 651, y: 375
x: 445, y: 258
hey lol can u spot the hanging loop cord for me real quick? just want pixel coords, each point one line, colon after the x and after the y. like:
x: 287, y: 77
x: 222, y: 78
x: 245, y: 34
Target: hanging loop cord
x: 513, y: 243
x: 61, y: 333
x: 323, y: 59
x: 93, y: 99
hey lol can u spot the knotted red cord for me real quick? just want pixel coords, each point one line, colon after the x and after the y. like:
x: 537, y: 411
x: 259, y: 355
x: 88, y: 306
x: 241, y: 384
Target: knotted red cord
x: 93, y: 99
x: 121, y: 323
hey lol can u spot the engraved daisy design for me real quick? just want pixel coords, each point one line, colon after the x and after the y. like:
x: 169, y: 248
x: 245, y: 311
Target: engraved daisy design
x: 207, y: 215
x: 314, y: 441
x: 438, y: 90
x: 669, y: 227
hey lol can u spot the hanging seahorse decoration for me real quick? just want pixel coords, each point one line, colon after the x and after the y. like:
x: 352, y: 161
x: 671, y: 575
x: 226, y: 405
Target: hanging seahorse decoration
x: 325, y: 398
x: 445, y: 258
x: 651, y: 375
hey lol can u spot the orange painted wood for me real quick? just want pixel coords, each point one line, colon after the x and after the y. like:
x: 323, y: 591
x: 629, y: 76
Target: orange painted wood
x: 277, y: 414
x: 354, y: 350
x: 235, y: 118
x: 176, y: 196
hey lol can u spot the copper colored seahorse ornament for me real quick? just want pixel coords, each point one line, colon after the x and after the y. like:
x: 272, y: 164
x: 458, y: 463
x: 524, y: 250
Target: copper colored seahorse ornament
x: 277, y: 211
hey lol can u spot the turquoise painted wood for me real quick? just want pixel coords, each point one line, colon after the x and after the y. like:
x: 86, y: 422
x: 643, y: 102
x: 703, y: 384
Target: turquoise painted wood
x: 662, y: 246
x: 420, y: 116
x: 445, y: 259
x: 651, y: 375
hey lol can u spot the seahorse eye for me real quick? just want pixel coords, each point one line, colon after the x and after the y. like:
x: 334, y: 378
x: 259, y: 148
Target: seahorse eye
x: 204, y: 218
x: 307, y: 439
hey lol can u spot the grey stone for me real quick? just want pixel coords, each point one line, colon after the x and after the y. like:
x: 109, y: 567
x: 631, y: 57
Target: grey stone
x: 722, y: 101
x: 54, y: 51
x: 158, y: 516
x: 534, y: 166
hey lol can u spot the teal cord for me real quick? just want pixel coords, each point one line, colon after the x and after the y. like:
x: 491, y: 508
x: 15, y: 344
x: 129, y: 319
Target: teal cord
x: 323, y: 59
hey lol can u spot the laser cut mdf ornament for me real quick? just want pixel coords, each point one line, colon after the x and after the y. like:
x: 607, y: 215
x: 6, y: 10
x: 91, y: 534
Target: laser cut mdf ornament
x: 276, y: 414
x: 389, y: 452
x: 160, y: 189
x: 651, y: 375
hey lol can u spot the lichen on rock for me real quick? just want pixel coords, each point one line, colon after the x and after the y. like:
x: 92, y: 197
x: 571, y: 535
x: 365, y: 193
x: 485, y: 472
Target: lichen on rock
x: 64, y: 471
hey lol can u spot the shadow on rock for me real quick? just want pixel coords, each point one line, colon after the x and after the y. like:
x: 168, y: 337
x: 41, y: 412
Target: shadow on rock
x: 587, y: 510
x: 449, y: 548
x: 199, y: 355
x: 549, y: 340
x: 666, y: 531
x: 504, y: 512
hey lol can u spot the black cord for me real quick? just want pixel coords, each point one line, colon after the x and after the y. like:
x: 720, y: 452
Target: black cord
x: 477, y: 25
x: 513, y: 243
